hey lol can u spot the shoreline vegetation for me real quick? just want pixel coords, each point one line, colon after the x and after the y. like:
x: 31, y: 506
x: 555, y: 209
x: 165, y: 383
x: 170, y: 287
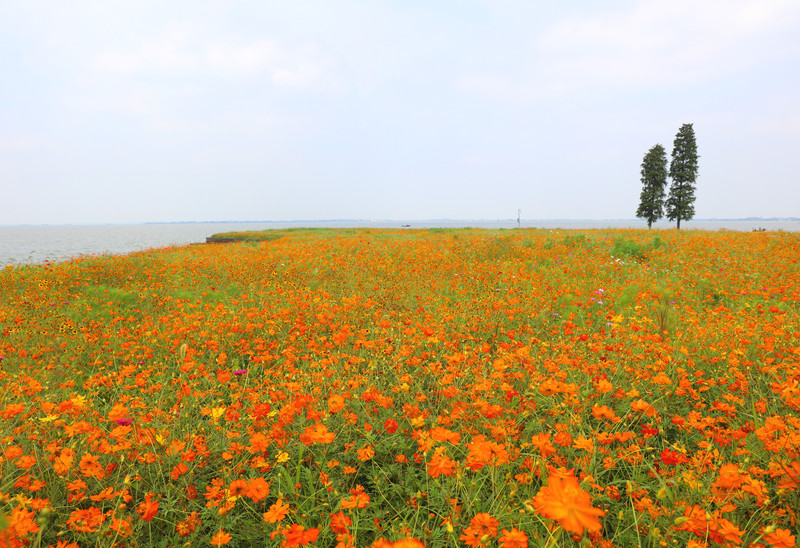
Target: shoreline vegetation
x: 268, y: 234
x: 382, y: 388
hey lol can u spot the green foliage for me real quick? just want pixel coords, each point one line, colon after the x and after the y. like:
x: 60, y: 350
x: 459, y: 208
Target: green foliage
x: 683, y: 172
x: 656, y: 242
x: 654, y: 183
x: 624, y: 247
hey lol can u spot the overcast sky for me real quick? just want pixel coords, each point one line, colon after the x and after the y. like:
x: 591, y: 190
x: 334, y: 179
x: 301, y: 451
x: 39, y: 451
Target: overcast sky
x: 201, y: 110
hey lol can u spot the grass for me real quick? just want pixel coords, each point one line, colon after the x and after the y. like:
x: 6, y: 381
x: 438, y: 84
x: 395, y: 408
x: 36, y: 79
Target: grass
x: 365, y: 387
x: 275, y: 233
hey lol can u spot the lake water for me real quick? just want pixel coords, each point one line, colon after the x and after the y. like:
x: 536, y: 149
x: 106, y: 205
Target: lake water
x: 37, y: 244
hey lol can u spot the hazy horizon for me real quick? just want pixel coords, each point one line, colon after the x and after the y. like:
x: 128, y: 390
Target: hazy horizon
x: 659, y: 222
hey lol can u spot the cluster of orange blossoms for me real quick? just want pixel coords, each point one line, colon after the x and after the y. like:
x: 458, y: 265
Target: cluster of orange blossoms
x: 405, y: 389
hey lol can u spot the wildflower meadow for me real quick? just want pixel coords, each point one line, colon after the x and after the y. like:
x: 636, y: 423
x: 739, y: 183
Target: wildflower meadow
x: 440, y: 388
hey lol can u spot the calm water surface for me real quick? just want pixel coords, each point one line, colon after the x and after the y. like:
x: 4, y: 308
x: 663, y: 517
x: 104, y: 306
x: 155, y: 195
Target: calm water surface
x: 37, y: 244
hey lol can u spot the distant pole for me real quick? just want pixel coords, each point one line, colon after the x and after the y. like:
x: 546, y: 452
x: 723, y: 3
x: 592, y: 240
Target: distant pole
x: 519, y: 213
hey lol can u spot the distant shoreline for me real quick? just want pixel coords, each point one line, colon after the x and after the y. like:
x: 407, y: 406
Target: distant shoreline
x: 419, y: 221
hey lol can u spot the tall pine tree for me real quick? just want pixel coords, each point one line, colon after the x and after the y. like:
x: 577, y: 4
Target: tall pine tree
x: 683, y: 172
x: 654, y: 184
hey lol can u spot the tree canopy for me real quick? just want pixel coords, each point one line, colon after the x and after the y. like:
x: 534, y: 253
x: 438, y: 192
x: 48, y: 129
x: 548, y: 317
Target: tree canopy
x: 683, y: 172
x: 654, y: 183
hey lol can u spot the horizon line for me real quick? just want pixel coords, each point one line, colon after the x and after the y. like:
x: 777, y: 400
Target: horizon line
x: 375, y: 220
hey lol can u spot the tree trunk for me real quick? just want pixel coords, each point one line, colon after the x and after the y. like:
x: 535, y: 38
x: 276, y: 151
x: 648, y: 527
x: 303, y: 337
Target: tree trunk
x: 679, y: 223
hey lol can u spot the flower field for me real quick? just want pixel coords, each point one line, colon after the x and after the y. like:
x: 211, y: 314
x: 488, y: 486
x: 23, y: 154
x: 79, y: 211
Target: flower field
x: 405, y: 388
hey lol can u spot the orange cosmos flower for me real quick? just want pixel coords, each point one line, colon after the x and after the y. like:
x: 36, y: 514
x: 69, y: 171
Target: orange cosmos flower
x: 276, y: 512
x: 21, y: 522
x: 178, y: 471
x: 258, y: 489
x: 117, y: 412
x: 25, y: 462
x: 485, y: 523
x: 365, y: 453
x: 563, y: 500
x: 105, y: 494
x: 187, y: 527
x: 340, y: 523
x: 12, y: 410
x: 357, y: 499
x: 335, y: 404
x: 405, y: 543
x: 297, y: 535
x: 90, y: 466
x: 481, y: 527
x: 86, y: 521
x: 513, y: 539
x: 149, y: 508
x: 441, y: 465
x: 542, y: 442
x: 221, y: 538
x: 602, y: 385
x: 781, y: 538
x: 604, y: 412
x: 316, y: 433
x: 63, y: 461
x: 238, y: 488
x: 483, y: 452
x: 643, y: 407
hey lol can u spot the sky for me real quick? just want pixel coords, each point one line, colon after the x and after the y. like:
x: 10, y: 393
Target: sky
x: 211, y: 110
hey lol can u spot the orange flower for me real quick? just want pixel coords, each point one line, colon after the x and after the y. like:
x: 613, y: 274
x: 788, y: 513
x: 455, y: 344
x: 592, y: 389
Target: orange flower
x: 90, y: 466
x: 643, y: 407
x: 357, y: 499
x: 276, y: 512
x: 563, y: 500
x: 86, y: 521
x: 221, y: 538
x: 187, y: 527
x: 63, y: 461
x: 21, y: 522
x: 117, y: 412
x: 405, y: 543
x: 258, y: 489
x: 485, y: 523
x: 542, y: 442
x: 105, y: 494
x: 513, y: 539
x: 316, y: 433
x: 297, y: 535
x: 481, y: 527
x: 335, y: 404
x: 12, y: 410
x: 483, y: 452
x: 25, y: 462
x: 365, y: 453
x: 238, y: 488
x: 781, y: 538
x: 604, y: 412
x: 149, y: 508
x: 441, y: 465
x: 340, y: 523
